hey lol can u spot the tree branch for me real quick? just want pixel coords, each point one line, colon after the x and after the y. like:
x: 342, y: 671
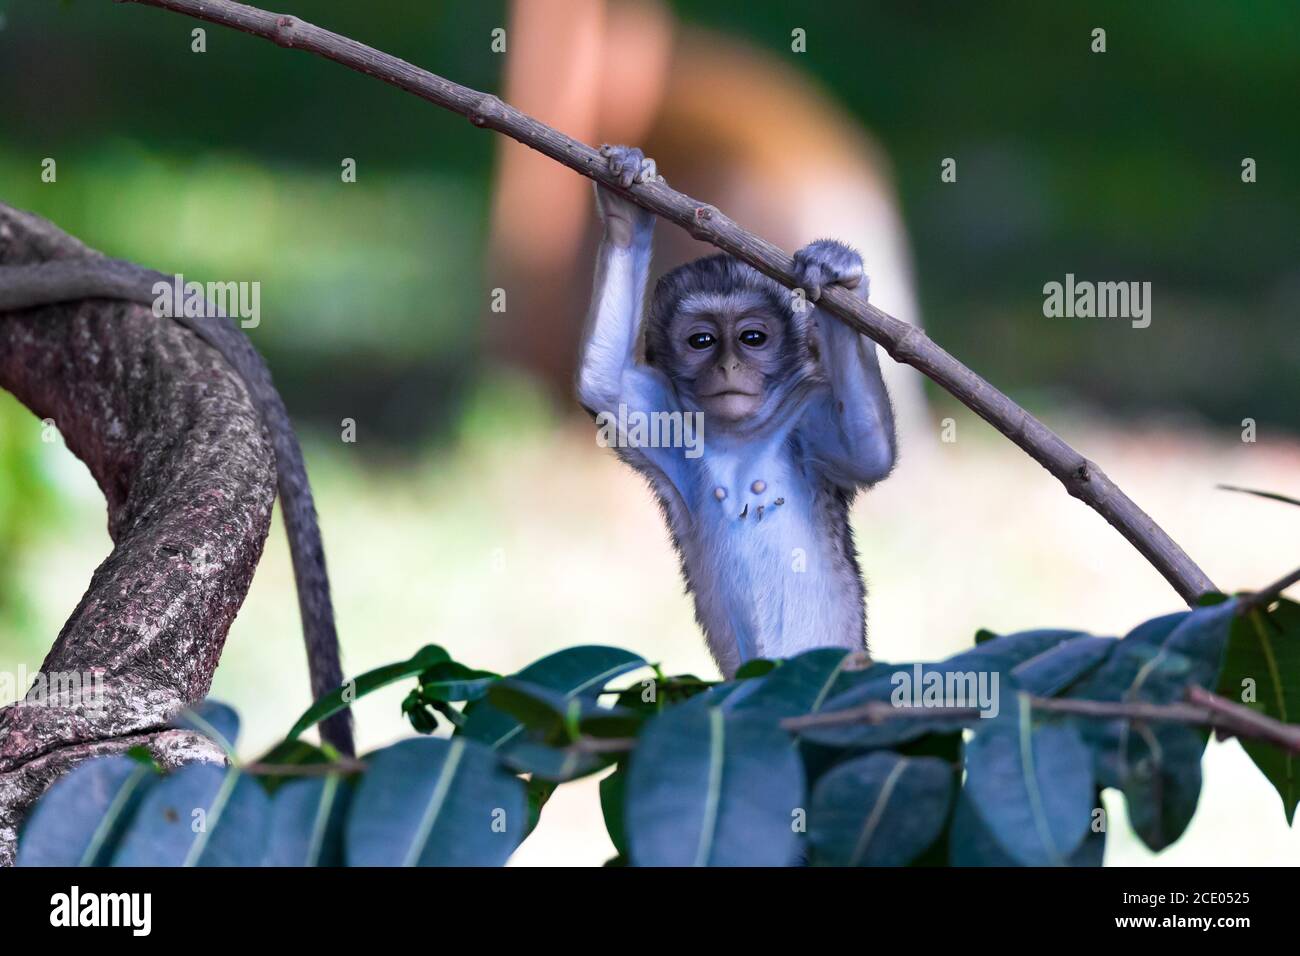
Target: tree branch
x: 1204, y: 709
x: 1262, y: 599
x: 176, y: 444
x: 904, y: 342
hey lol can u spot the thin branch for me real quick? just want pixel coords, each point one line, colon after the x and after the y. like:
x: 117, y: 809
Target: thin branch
x: 603, y: 745
x: 877, y: 712
x: 1240, y: 721
x: 1203, y: 710
x: 343, y: 765
x: 1262, y: 599
x: 904, y: 342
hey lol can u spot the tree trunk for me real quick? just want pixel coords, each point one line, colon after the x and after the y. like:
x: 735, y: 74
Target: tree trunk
x: 170, y: 434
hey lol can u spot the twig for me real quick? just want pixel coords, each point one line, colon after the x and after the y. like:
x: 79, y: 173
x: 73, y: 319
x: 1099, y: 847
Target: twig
x: 904, y: 342
x: 603, y: 745
x: 1204, y: 710
x: 1262, y: 599
x: 877, y: 712
x: 1241, y: 721
x: 343, y: 765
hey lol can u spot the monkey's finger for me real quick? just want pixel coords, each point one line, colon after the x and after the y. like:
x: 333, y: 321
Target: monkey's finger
x: 648, y: 173
x: 811, y: 278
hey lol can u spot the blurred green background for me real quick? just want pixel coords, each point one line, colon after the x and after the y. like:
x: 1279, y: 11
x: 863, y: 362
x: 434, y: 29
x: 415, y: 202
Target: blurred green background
x: 475, y: 510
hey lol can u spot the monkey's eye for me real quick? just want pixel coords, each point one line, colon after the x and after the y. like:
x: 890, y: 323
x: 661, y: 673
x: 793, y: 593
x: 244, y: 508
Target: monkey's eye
x: 701, y: 341
x: 753, y: 338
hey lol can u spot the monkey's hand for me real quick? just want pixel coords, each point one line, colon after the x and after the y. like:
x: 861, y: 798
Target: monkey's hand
x: 625, y: 221
x: 828, y: 262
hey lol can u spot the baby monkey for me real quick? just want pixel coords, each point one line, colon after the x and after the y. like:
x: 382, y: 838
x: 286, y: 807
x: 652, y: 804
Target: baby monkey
x: 796, y: 419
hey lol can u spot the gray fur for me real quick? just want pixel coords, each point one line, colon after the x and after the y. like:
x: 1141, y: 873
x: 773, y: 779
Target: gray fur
x: 800, y: 423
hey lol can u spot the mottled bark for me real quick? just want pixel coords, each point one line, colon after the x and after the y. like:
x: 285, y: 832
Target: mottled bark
x: 170, y: 434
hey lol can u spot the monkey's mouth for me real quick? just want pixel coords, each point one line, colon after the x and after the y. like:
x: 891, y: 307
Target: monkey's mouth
x: 731, y: 391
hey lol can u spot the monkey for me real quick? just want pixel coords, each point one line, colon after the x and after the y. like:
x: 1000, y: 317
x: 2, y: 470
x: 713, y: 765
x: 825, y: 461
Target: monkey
x: 796, y: 421
x: 62, y: 280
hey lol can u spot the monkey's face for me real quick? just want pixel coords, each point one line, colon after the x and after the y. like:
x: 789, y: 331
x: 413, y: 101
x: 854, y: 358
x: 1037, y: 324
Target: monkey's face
x: 728, y: 339
x: 729, y: 360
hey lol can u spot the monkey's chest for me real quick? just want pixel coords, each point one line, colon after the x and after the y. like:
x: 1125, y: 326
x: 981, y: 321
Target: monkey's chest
x: 763, y: 557
x: 751, y: 529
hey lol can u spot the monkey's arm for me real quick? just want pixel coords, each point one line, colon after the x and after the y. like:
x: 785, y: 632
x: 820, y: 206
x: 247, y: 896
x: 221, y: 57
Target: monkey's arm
x: 96, y: 276
x: 608, y: 371
x: 611, y: 383
x: 609, y: 374
x: 849, y: 426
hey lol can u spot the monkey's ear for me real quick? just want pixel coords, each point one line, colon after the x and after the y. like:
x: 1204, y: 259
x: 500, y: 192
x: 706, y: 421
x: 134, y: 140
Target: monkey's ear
x: 814, y: 342
x: 809, y: 349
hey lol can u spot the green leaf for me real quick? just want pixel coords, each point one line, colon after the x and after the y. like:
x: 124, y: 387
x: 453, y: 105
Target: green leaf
x: 422, y: 717
x: 1054, y: 670
x: 454, y: 716
x: 435, y: 802
x: 756, y: 667
x: 288, y: 753
x: 81, y: 818
x: 711, y: 787
x: 1203, y: 637
x: 1161, y: 780
x: 1031, y: 783
x: 539, y: 792
x: 804, y: 684
x: 660, y: 692
x: 1271, y: 495
x: 553, y: 723
x: 352, y: 691
x: 579, y: 672
x: 142, y: 754
x: 451, y: 681
x: 215, y: 720
x: 1157, y: 765
x: 971, y: 842
x: 974, y: 675
x: 555, y: 717
x: 613, y: 801
x: 537, y: 708
x: 554, y: 764
x: 1014, y: 648
x: 200, y: 815
x: 879, y: 810
x: 307, y: 817
x: 1262, y: 670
